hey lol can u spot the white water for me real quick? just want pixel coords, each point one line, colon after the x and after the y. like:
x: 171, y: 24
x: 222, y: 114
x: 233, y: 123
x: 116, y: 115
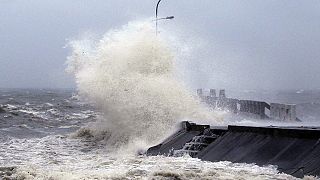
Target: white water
x: 61, y: 158
x: 129, y: 76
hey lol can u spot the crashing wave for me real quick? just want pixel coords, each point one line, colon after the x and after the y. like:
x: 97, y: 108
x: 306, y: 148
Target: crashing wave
x: 129, y: 76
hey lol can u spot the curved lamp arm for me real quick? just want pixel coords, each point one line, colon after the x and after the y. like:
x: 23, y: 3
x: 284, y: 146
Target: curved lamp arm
x: 157, y: 16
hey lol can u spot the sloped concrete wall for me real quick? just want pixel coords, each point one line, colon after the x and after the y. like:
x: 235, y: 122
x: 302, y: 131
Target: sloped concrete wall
x: 295, y: 151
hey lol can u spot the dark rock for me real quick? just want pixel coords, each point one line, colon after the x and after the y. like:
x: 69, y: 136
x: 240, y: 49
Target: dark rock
x: 2, y: 110
x: 14, y: 113
x: 6, y: 172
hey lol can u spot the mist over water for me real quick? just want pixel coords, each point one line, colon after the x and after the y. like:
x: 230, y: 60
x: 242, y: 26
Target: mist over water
x: 129, y: 76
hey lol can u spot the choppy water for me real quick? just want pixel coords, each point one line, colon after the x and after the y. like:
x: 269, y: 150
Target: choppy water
x: 38, y: 113
x: 36, y: 129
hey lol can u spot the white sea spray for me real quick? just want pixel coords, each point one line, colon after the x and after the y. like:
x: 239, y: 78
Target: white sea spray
x: 129, y: 76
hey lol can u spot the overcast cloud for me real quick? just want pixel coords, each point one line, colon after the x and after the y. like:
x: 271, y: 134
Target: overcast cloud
x: 254, y: 44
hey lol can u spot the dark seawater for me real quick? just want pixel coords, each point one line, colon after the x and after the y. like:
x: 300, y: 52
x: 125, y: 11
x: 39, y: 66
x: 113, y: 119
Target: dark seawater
x: 36, y: 142
x: 27, y: 113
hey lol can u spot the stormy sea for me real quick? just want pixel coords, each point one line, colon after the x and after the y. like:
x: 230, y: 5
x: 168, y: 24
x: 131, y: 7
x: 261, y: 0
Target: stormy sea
x: 127, y: 98
x: 41, y: 138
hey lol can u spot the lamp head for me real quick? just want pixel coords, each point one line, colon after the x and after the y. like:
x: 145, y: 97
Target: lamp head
x: 170, y: 17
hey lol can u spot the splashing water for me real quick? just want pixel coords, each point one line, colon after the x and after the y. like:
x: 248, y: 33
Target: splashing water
x: 129, y: 76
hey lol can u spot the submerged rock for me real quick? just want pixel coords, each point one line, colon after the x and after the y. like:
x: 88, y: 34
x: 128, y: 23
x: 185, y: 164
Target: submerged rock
x: 6, y: 172
x: 2, y: 110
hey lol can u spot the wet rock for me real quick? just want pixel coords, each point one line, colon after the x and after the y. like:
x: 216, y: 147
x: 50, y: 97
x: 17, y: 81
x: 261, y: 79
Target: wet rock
x: 2, y: 110
x: 6, y: 172
x: 6, y: 169
x: 84, y: 132
x: 14, y: 113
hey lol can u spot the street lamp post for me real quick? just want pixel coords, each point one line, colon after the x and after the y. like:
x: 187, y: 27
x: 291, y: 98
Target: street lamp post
x: 157, y: 19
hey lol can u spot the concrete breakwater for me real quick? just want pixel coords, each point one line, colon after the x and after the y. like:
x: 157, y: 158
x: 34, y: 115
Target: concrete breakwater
x: 295, y: 150
x: 257, y: 109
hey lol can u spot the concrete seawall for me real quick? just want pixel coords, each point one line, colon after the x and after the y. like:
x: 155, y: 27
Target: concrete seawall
x: 256, y: 109
x: 295, y: 150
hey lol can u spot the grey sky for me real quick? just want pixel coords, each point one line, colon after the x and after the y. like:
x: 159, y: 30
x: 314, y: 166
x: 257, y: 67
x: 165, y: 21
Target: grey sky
x: 255, y: 44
